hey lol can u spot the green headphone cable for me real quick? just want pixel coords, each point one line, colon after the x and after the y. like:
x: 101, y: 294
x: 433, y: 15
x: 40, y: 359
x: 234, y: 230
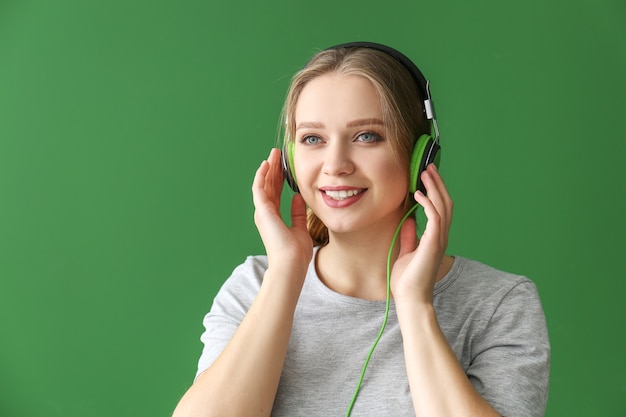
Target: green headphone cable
x: 387, y: 304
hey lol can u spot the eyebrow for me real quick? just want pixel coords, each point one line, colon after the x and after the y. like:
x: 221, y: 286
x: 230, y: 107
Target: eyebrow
x: 365, y: 122
x: 310, y: 125
x: 353, y: 123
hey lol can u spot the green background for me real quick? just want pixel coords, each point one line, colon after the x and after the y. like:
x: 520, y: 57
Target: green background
x: 130, y: 132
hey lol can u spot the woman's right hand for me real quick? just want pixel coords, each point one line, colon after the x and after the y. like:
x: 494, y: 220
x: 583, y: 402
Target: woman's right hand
x: 244, y: 379
x: 285, y: 246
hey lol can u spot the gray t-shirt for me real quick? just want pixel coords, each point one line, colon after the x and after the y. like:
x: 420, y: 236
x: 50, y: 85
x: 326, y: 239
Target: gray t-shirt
x: 493, y: 321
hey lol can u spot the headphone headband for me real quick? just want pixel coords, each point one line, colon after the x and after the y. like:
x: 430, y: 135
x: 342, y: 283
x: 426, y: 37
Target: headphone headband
x: 416, y: 74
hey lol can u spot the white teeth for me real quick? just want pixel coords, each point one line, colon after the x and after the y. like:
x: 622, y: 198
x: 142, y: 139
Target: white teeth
x: 341, y: 195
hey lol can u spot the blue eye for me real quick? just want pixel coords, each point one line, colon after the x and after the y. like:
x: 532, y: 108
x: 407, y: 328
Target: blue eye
x: 310, y: 140
x: 369, y: 137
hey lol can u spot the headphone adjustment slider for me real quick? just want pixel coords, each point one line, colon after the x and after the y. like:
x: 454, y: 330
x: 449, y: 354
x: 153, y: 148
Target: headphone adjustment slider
x: 429, y: 109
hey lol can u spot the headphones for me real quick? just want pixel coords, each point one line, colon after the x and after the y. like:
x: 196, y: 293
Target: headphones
x: 426, y: 150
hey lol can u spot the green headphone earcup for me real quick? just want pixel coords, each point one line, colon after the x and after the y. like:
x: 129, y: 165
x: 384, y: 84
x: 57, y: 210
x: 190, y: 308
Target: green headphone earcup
x: 289, y: 172
x: 425, y: 152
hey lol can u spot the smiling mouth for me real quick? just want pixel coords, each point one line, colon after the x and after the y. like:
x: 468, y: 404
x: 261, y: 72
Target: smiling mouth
x: 343, y: 194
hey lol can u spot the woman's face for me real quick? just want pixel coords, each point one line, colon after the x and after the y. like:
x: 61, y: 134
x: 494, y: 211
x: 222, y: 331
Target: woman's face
x: 343, y: 161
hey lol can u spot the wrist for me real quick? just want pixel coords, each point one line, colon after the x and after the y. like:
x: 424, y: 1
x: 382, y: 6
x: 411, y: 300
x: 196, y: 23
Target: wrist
x: 285, y: 278
x: 415, y: 310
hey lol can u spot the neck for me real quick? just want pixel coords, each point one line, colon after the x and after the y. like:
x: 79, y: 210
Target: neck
x: 356, y: 266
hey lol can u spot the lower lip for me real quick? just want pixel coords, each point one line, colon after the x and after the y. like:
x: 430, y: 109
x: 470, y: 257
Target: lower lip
x: 342, y: 203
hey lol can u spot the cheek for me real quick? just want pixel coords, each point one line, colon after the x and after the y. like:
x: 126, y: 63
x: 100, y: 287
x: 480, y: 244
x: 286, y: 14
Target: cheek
x: 396, y: 186
x: 397, y: 177
x: 397, y: 190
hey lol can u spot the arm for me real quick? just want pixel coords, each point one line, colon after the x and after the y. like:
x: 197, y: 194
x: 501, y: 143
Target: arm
x: 439, y: 386
x: 244, y: 378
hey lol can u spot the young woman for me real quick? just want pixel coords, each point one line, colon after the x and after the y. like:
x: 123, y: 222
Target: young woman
x: 349, y: 312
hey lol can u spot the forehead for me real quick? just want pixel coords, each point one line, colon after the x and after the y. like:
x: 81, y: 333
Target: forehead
x: 338, y: 97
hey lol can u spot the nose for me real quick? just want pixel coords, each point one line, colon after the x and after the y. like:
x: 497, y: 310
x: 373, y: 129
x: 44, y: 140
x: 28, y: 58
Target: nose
x: 337, y: 160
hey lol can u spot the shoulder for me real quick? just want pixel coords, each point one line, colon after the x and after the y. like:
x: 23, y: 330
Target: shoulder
x: 240, y: 289
x: 475, y: 278
x: 475, y: 289
x: 252, y: 269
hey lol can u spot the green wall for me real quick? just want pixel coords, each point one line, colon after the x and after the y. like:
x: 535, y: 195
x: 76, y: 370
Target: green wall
x: 130, y: 132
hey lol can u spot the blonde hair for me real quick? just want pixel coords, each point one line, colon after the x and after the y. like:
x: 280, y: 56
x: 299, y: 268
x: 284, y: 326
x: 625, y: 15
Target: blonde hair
x: 401, y: 104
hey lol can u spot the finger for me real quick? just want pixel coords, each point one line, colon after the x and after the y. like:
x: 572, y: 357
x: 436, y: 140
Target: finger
x: 430, y: 210
x: 438, y: 195
x: 433, y: 229
x: 298, y: 212
x: 258, y: 184
x: 437, y: 190
x: 265, y: 188
x: 264, y: 206
x: 275, y: 178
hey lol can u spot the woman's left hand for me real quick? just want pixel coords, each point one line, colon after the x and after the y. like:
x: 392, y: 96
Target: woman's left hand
x: 416, y: 269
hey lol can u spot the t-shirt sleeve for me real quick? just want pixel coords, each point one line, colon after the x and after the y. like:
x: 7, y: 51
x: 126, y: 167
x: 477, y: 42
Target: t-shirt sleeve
x: 229, y: 308
x: 511, y: 360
